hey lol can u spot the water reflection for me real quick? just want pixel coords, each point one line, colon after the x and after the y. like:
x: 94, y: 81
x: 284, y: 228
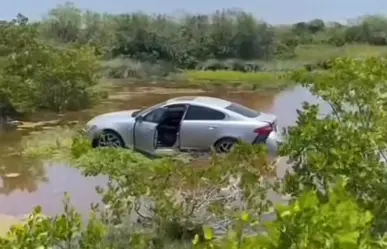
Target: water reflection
x: 21, y: 174
x: 49, y: 194
x: 286, y: 103
x: 17, y: 173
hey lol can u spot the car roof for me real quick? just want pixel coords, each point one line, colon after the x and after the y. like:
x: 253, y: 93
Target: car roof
x: 201, y: 100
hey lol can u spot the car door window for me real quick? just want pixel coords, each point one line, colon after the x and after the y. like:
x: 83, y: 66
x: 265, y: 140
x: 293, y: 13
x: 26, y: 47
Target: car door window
x: 176, y: 107
x: 203, y: 113
x: 155, y: 116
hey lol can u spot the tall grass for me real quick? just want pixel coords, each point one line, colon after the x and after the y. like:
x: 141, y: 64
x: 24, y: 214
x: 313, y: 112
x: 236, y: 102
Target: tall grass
x: 251, y: 80
x: 231, y: 76
x: 248, y: 66
x: 54, y: 143
x: 235, y: 72
x: 122, y: 68
x: 314, y: 53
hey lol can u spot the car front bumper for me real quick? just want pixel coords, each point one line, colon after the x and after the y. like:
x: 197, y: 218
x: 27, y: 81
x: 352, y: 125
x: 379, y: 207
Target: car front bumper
x: 90, y: 131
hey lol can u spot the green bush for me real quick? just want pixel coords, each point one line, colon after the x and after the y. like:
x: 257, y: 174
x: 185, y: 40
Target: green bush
x: 230, y: 65
x: 188, y: 40
x: 132, y: 69
x: 36, y: 75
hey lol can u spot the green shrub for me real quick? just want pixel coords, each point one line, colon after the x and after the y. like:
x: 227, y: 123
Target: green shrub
x: 36, y: 75
x: 128, y: 68
x: 230, y: 65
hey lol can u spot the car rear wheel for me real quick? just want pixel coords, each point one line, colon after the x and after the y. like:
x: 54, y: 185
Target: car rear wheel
x: 225, y: 145
x: 109, y: 139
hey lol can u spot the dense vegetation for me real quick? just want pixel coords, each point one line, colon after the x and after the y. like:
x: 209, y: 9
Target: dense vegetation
x: 34, y: 74
x: 225, y: 39
x: 55, y: 63
x: 191, y: 40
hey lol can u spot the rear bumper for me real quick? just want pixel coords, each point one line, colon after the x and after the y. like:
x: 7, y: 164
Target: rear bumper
x: 273, y: 142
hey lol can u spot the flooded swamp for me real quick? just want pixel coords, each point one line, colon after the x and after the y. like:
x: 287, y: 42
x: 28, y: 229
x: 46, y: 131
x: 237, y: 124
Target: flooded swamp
x: 26, y: 183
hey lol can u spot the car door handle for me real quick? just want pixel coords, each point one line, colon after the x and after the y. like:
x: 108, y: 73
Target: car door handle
x: 212, y: 127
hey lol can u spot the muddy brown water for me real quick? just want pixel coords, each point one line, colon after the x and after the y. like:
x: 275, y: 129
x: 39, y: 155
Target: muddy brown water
x: 44, y: 184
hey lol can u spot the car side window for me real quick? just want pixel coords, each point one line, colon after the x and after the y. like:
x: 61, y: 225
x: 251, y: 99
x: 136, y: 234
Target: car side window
x: 203, y: 113
x: 155, y: 115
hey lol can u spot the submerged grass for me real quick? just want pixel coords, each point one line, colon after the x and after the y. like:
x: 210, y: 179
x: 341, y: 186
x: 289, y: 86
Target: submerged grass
x: 54, y: 143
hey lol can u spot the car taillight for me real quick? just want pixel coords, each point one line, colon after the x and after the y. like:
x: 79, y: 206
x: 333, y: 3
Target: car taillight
x: 264, y: 131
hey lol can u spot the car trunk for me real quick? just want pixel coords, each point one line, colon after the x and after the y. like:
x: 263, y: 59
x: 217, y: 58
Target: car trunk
x: 268, y: 118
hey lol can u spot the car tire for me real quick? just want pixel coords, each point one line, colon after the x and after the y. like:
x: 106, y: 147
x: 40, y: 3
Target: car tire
x: 225, y: 145
x: 109, y: 138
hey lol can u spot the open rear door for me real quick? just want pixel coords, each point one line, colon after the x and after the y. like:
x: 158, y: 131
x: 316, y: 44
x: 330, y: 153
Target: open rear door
x: 145, y: 131
x: 144, y: 136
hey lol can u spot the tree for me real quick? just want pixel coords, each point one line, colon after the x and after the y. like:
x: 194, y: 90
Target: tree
x: 38, y: 75
x: 316, y: 25
x: 350, y: 141
x: 63, y: 23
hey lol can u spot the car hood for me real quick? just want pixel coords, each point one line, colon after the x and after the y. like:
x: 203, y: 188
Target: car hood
x: 113, y: 116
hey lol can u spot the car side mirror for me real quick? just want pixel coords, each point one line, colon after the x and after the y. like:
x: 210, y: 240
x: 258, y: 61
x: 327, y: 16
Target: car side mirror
x: 139, y: 118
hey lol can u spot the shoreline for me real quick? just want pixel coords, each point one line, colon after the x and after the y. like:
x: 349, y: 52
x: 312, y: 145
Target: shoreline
x: 207, y: 81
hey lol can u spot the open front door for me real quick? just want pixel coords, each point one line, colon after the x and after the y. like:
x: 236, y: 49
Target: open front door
x: 145, y: 131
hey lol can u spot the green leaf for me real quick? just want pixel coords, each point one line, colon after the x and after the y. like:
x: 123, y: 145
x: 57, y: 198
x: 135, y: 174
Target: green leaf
x: 208, y: 233
x: 349, y: 239
x: 195, y: 241
x: 245, y: 217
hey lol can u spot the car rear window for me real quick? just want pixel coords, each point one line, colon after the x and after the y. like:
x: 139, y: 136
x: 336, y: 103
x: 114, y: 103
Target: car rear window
x: 243, y: 110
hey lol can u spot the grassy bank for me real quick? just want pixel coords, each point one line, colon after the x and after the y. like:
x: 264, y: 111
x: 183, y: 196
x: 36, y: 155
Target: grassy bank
x: 315, y: 52
x: 208, y: 80
x: 234, y: 73
x: 223, y: 78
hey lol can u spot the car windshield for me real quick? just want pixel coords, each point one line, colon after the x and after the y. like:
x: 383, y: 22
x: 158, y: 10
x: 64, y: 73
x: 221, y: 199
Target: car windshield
x: 146, y: 110
x: 243, y: 110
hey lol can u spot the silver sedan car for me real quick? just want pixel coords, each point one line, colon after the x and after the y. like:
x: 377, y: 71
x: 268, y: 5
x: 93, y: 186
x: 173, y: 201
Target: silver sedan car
x: 188, y: 123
